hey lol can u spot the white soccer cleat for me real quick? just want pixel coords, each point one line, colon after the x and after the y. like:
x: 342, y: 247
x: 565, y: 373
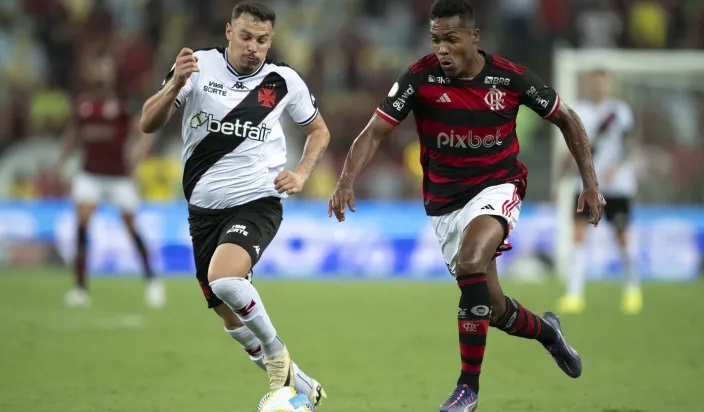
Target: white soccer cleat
x: 77, y: 298
x: 155, y: 294
x: 316, y: 394
x: 278, y: 367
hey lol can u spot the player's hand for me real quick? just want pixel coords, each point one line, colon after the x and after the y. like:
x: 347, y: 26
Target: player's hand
x: 289, y: 182
x: 342, y: 197
x: 592, y: 198
x: 186, y: 64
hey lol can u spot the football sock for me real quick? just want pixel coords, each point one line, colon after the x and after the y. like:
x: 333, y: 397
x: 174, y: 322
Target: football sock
x: 250, y: 343
x: 519, y: 321
x: 244, y: 300
x: 79, y: 266
x: 473, y: 322
x: 144, y: 255
x: 575, y: 283
x: 632, y: 282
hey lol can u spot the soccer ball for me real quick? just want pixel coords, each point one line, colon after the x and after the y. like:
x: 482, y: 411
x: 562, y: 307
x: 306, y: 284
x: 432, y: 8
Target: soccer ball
x: 285, y: 399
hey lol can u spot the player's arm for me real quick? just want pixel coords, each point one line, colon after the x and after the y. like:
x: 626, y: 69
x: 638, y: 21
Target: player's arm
x: 545, y: 102
x: 577, y: 142
x: 157, y: 110
x: 304, y: 111
x: 144, y: 142
x: 391, y: 112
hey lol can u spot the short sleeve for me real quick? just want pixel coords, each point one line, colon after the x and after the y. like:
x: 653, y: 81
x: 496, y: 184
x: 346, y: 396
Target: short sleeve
x: 400, y: 100
x: 627, y: 119
x: 302, y: 107
x: 536, y: 95
x: 185, y: 91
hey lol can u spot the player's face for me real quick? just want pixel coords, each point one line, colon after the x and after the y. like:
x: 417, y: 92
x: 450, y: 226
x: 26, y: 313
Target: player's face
x: 249, y: 40
x: 101, y: 72
x: 599, y: 86
x: 455, y: 42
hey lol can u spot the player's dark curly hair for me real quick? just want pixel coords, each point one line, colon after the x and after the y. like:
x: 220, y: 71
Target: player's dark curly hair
x: 449, y: 8
x: 259, y: 10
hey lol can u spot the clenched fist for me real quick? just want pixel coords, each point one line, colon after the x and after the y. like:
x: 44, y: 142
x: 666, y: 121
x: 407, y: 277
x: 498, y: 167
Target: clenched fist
x: 186, y: 64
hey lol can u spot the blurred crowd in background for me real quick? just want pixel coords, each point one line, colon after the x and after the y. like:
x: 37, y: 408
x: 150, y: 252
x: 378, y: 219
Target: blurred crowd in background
x: 350, y: 52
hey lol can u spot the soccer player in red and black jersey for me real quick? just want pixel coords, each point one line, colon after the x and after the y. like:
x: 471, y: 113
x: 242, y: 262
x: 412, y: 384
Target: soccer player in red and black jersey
x: 465, y: 103
x: 101, y: 127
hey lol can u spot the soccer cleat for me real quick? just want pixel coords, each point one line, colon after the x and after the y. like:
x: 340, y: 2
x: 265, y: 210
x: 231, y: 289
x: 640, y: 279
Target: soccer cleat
x: 155, y: 294
x: 278, y: 367
x: 77, y: 298
x: 565, y: 356
x: 571, y: 304
x: 316, y: 394
x: 462, y: 399
x: 632, y: 302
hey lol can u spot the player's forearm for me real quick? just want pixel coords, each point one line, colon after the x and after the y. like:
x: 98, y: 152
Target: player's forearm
x: 158, y: 109
x: 313, y: 151
x: 361, y: 153
x: 578, y: 143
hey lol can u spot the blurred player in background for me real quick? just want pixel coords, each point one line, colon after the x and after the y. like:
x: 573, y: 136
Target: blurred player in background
x: 102, y: 127
x: 609, y: 123
x: 234, y: 155
x: 465, y: 102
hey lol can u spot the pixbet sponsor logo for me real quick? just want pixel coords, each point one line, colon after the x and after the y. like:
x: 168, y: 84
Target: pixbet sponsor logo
x: 468, y: 141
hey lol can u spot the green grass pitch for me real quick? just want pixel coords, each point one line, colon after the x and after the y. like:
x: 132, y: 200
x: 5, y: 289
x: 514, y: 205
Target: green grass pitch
x: 376, y: 346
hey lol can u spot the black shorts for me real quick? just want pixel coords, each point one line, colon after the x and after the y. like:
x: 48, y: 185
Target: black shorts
x: 617, y: 212
x: 252, y: 225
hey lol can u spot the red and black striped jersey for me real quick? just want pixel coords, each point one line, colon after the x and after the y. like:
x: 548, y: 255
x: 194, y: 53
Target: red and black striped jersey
x: 467, y: 128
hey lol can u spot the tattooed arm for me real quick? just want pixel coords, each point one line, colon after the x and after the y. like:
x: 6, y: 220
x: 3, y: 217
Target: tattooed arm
x: 318, y: 138
x: 576, y: 138
x: 316, y: 143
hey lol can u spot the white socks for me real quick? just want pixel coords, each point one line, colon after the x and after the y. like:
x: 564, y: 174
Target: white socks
x: 630, y: 276
x: 577, y: 276
x: 250, y: 343
x: 244, y: 300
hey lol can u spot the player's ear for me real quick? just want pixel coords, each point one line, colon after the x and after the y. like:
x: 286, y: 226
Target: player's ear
x: 228, y: 31
x: 475, y: 36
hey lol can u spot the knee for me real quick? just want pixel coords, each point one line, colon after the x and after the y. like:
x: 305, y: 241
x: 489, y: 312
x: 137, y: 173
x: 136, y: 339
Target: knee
x: 580, y: 232
x: 470, y: 264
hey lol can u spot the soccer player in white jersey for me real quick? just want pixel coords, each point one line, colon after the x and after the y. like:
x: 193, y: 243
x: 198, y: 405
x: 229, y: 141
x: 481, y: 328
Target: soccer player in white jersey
x: 234, y: 154
x: 608, y: 122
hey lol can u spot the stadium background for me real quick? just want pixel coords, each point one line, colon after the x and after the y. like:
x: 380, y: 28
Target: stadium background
x: 349, y: 52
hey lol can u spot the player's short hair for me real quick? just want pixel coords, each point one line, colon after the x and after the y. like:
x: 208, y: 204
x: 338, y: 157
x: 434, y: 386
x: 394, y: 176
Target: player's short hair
x: 259, y: 10
x: 599, y: 72
x: 449, y: 8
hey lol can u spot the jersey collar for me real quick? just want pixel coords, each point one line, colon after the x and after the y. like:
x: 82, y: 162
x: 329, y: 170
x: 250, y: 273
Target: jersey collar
x: 234, y: 72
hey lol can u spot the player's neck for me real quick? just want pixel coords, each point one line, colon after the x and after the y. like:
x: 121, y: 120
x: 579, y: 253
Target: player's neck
x: 238, y: 69
x: 474, y: 67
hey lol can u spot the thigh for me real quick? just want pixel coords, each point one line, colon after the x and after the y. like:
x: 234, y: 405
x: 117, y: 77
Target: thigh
x: 205, y: 231
x: 618, y: 212
x: 86, y: 189
x: 253, y: 227
x: 122, y: 192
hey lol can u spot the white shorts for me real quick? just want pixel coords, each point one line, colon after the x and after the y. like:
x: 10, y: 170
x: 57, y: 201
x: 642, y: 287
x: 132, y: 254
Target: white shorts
x: 502, y: 200
x: 117, y: 190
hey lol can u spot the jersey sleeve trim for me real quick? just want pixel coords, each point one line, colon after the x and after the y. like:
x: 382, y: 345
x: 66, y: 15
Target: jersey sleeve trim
x: 177, y: 103
x: 310, y: 119
x: 555, y: 107
x: 387, y: 117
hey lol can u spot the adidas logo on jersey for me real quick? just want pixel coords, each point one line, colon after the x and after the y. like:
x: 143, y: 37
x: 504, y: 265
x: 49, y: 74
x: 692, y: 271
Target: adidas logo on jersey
x: 444, y: 98
x: 246, y: 130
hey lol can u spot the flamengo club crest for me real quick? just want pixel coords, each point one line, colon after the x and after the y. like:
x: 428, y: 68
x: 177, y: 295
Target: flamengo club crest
x: 495, y: 99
